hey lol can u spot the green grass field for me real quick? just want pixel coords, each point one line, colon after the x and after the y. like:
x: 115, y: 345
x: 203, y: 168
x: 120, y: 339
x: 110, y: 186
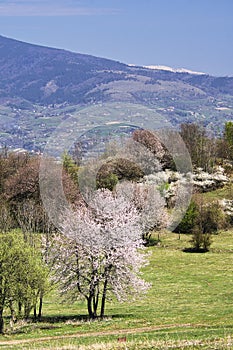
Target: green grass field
x: 190, y: 306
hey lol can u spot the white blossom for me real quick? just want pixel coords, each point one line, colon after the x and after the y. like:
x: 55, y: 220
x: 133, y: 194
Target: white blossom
x: 99, y: 251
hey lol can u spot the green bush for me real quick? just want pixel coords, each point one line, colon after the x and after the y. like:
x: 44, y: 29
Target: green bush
x: 108, y: 181
x: 201, y: 221
x: 209, y: 220
x: 189, y: 220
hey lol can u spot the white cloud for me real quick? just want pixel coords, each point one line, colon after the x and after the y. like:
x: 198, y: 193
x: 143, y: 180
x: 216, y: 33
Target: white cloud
x: 50, y: 8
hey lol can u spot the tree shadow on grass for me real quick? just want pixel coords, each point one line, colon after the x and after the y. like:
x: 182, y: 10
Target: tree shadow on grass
x: 77, y: 318
x: 62, y: 319
x: 53, y: 322
x: 48, y: 323
x: 194, y: 250
x: 80, y: 318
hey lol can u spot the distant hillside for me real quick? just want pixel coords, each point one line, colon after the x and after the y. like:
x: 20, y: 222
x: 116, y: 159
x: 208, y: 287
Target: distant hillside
x: 46, y: 75
x: 32, y: 77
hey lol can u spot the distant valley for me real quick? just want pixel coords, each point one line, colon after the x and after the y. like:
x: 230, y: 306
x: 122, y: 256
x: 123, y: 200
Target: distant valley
x: 41, y: 86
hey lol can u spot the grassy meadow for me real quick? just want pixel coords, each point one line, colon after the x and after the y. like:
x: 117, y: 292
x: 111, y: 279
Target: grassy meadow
x: 189, y: 306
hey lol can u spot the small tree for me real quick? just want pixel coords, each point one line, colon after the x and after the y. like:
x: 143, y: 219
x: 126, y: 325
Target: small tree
x: 108, y: 182
x: 200, y: 147
x: 189, y: 220
x: 209, y: 220
x: 70, y: 167
x: 22, y: 275
x: 99, y: 252
x: 201, y: 241
x: 228, y: 138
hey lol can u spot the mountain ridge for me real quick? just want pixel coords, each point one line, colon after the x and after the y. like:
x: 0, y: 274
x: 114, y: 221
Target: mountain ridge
x: 46, y: 75
x: 40, y: 86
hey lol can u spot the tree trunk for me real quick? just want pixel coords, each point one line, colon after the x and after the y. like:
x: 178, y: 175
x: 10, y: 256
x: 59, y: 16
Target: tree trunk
x: 20, y: 308
x: 40, y: 307
x: 95, y: 303
x: 103, y: 298
x: 1, y: 321
x: 27, y: 309
x: 34, y: 312
x: 13, y: 317
x: 89, y: 307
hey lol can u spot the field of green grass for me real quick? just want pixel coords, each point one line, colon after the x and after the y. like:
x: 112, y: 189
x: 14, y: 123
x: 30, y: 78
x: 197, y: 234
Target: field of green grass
x: 189, y: 306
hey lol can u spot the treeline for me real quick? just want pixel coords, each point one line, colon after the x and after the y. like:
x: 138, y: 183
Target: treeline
x: 206, y: 150
x: 203, y: 219
x: 20, y: 202
x: 24, y: 273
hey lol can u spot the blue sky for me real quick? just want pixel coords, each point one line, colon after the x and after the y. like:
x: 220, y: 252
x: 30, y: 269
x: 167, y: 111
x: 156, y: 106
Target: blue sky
x: 193, y: 34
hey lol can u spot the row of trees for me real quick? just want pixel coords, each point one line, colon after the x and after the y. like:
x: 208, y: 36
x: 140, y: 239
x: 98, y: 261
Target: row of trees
x: 207, y: 150
x: 24, y: 269
x: 202, y: 220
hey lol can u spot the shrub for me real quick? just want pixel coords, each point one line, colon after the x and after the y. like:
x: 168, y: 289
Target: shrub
x: 208, y: 221
x: 202, y: 221
x: 189, y: 220
x: 108, y: 182
x: 200, y: 241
